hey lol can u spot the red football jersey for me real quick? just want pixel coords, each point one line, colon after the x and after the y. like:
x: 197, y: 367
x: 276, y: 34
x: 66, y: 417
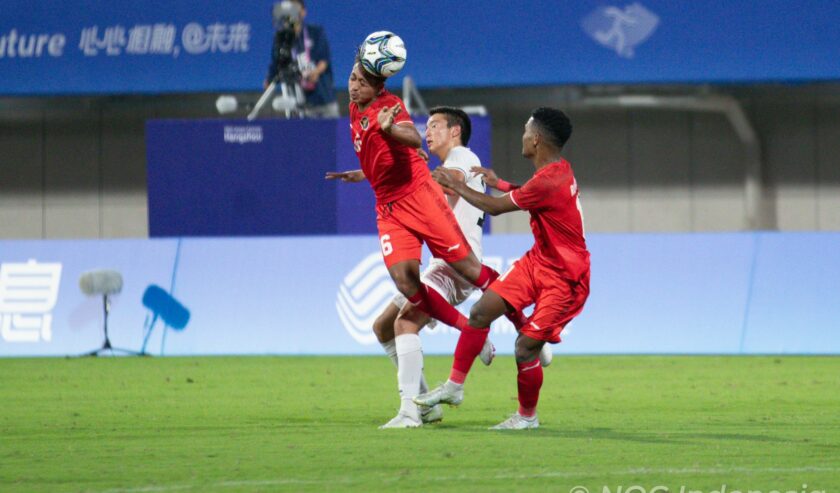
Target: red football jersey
x: 394, y: 170
x: 551, y: 197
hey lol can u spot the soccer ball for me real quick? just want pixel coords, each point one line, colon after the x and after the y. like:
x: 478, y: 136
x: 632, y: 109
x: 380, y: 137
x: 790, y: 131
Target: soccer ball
x: 383, y: 54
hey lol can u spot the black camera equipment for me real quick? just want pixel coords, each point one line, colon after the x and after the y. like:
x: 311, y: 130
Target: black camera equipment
x: 287, y: 18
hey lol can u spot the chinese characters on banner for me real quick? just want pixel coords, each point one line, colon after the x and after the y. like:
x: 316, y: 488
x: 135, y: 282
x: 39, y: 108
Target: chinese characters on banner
x: 28, y: 293
x: 161, y: 39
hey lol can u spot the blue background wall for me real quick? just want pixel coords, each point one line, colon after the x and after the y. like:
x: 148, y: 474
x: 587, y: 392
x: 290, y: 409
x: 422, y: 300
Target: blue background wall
x: 660, y: 293
x: 203, y: 182
x: 466, y: 43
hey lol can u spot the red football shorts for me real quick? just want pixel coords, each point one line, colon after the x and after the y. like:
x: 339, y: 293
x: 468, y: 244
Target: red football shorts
x: 557, y: 300
x: 421, y: 216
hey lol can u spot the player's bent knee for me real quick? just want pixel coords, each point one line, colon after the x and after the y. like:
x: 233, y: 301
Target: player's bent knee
x: 469, y: 267
x: 527, y: 349
x: 403, y: 326
x: 406, y: 281
x: 383, y: 328
x: 407, y: 285
x: 524, y: 355
x: 406, y: 276
x: 479, y: 316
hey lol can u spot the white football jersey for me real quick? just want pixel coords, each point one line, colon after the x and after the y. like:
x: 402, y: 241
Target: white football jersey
x: 469, y: 217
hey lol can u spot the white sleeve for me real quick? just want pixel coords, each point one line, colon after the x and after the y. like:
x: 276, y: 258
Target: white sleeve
x: 463, y: 160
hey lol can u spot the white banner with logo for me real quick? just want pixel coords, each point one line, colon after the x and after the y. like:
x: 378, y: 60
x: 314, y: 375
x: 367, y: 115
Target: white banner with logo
x: 666, y: 293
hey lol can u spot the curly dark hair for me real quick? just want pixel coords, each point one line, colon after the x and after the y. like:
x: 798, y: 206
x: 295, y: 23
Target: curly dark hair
x: 554, y: 124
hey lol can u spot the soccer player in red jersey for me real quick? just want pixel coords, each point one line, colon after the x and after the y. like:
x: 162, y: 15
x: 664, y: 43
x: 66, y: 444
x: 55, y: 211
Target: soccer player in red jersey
x: 410, y: 206
x: 553, y: 274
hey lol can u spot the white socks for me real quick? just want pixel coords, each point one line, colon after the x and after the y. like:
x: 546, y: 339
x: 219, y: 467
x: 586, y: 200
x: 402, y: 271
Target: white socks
x: 409, y: 371
x: 406, y: 352
x: 450, y: 385
x: 410, y: 368
x: 390, y: 348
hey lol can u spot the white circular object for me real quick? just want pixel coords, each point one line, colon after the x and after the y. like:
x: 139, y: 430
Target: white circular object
x: 226, y: 104
x: 284, y: 103
x: 383, y: 54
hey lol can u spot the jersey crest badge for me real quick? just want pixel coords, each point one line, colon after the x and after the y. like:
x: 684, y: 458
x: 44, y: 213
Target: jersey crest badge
x: 364, y: 123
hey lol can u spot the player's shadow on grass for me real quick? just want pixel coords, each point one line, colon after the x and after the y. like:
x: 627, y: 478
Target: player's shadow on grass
x: 546, y: 431
x: 624, y: 436
x: 734, y: 436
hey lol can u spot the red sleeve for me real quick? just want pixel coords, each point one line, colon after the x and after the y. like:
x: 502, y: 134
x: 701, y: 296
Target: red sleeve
x: 535, y: 194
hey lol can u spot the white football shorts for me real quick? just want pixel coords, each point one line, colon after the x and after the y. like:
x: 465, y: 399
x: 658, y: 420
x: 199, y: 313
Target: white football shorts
x: 445, y: 280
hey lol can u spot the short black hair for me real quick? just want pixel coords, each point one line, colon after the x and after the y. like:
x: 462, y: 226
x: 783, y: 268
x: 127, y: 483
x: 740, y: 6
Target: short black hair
x: 554, y: 124
x: 455, y: 117
x: 374, y: 80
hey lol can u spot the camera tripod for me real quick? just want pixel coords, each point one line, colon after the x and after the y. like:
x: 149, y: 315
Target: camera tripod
x: 290, y: 100
x: 106, y: 345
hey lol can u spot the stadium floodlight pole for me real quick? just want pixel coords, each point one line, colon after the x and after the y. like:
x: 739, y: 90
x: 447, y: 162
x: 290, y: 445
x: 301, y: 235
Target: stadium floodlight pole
x: 410, y: 93
x: 107, y: 283
x: 263, y: 99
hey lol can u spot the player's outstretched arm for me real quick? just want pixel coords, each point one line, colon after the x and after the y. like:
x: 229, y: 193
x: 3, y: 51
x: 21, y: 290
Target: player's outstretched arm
x: 489, y: 204
x: 491, y: 179
x: 404, y: 133
x: 354, y: 176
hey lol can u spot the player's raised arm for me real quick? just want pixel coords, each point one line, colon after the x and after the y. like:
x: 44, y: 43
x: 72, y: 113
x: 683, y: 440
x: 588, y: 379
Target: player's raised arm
x: 353, y: 176
x: 492, y: 205
x: 402, y: 132
x: 491, y: 179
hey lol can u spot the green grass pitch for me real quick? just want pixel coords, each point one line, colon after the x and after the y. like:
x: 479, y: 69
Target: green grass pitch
x: 609, y: 423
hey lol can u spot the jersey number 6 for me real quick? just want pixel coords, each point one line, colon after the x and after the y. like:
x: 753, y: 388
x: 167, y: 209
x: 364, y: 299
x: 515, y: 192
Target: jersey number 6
x: 385, y: 243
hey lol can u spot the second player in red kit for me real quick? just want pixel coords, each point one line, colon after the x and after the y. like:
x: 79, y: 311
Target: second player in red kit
x: 553, y: 275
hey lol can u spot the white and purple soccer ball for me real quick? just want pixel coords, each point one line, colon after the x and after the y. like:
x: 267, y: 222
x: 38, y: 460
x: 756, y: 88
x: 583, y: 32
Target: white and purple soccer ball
x: 383, y: 54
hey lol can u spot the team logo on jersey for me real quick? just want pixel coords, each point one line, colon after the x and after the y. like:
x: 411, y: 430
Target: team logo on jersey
x: 364, y: 292
x: 619, y: 29
x: 365, y: 122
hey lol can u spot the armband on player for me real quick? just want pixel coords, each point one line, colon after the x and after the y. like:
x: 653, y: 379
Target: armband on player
x: 504, y: 186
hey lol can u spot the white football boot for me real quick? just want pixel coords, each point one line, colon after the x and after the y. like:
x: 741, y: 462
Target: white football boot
x: 431, y: 414
x: 546, y: 355
x: 402, y: 420
x: 518, y: 422
x: 488, y: 352
x: 449, y: 393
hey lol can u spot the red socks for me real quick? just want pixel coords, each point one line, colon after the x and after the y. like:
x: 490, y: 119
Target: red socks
x: 431, y: 302
x: 469, y: 345
x: 529, y: 381
x: 485, y: 277
x: 471, y: 339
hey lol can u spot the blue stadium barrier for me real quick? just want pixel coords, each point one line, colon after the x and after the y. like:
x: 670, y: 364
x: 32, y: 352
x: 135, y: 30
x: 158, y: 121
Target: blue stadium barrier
x: 740, y: 293
x: 266, y: 177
